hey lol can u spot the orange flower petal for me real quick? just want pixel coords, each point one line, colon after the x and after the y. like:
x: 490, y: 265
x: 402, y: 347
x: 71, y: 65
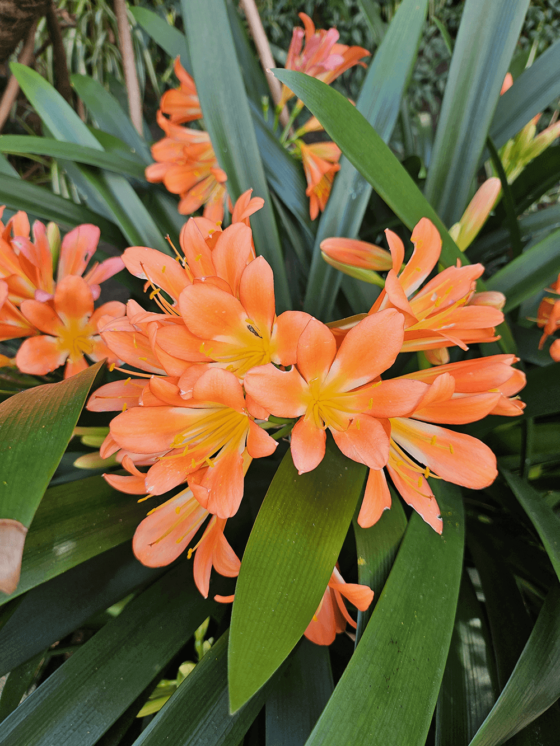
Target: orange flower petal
x: 316, y: 350
x: 308, y: 445
x: 39, y: 356
x: 163, y: 271
x: 459, y: 410
x: 149, y: 429
x: 259, y: 442
x: 220, y: 386
x: 113, y: 396
x: 279, y: 392
x: 77, y: 248
x: 377, y: 499
x: 42, y: 316
x: 288, y: 329
x: 421, y: 500
x: 234, y: 250
x: 388, y: 398
x: 73, y: 299
x: 196, y: 250
x: 365, y: 441
x: 210, y: 313
x: 256, y: 293
x: 427, y: 248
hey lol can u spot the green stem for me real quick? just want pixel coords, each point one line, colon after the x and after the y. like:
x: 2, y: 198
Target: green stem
x: 293, y: 114
x: 509, y: 202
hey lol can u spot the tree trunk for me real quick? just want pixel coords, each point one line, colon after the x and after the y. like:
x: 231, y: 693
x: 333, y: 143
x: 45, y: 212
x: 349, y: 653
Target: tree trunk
x: 16, y: 18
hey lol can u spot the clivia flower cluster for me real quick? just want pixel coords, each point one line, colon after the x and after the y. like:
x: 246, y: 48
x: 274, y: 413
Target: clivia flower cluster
x: 217, y: 371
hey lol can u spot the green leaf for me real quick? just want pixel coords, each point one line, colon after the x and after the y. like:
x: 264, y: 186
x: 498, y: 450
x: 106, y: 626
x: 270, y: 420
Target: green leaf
x: 542, y: 393
x: 113, y: 192
x: 228, y: 119
x: 483, y: 49
x: 17, y: 684
x: 58, y: 607
x: 388, y: 691
x: 543, y: 518
x: 529, y: 273
x: 253, y: 75
x: 363, y: 147
x: 532, y: 92
x: 534, y: 684
x: 6, y: 169
x: 288, y: 561
x: 75, y: 521
x: 70, y: 152
x: 36, y: 426
x: 379, y: 101
x: 469, y: 689
x: 17, y: 194
x: 197, y: 714
x: 299, y: 695
x: 109, y: 115
x: 536, y: 179
x: 113, y: 668
x: 377, y: 548
x: 170, y: 39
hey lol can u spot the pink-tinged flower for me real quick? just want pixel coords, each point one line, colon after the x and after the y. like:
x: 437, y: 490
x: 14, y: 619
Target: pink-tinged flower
x: 204, y: 429
x: 13, y: 323
x: 181, y: 104
x: 439, y: 314
x: 339, y: 391
x: 321, y: 56
x: 332, y: 616
x: 320, y: 163
x: 28, y: 266
x: 187, y: 165
x: 69, y: 327
x: 467, y: 229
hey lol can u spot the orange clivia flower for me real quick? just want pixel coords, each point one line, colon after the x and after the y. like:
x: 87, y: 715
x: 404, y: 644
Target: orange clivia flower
x: 479, y: 208
x: 205, y: 432
x: 181, y: 104
x: 339, y: 391
x: 322, y: 56
x: 187, y: 165
x: 320, y: 163
x: 548, y: 319
x: 69, y: 327
x: 331, y: 617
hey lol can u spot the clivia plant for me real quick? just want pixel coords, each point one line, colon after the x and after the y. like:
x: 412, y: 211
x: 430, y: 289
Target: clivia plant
x: 297, y: 484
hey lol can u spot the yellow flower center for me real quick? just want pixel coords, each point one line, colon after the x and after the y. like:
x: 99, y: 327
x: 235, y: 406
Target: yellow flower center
x: 326, y: 407
x: 75, y: 339
x: 210, y: 430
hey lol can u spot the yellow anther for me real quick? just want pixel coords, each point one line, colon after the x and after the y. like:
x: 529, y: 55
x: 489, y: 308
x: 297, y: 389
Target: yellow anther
x: 419, y: 482
x: 163, y: 269
x: 209, y: 461
x: 357, y: 424
x: 370, y: 405
x: 134, y: 341
x: 193, y: 464
x: 433, y: 440
x: 125, y: 407
x: 178, y: 510
x: 451, y: 451
x: 201, y: 349
x: 198, y: 258
x: 143, y: 358
x: 142, y: 499
x: 426, y: 472
x: 112, y: 367
x: 189, y: 553
x: 154, y: 292
x: 128, y: 380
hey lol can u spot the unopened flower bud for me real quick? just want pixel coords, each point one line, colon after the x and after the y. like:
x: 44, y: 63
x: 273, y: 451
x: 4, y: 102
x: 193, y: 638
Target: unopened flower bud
x: 53, y: 237
x: 489, y: 298
x: 467, y: 229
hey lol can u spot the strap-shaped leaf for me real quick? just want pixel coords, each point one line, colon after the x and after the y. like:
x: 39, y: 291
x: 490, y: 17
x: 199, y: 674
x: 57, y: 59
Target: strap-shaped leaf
x: 528, y: 273
x: 168, y: 37
x: 543, y: 518
x: 110, y: 191
x: 379, y: 101
x: 532, y: 92
x: 388, y: 692
x: 542, y: 393
x: 197, y: 713
x: 228, y: 120
x: 363, y: 147
x: 96, y: 685
x: 59, y: 606
x: 35, y: 427
x: 92, y: 157
x: 75, y: 521
x: 6, y: 168
x: 534, y: 684
x: 18, y: 194
x: 288, y: 561
x: 298, y: 695
x: 377, y: 548
x: 109, y: 115
x: 485, y: 44
x: 469, y: 688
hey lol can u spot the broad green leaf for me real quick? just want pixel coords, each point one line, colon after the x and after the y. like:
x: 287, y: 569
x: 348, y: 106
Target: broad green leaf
x: 96, y: 685
x: 288, y: 561
x: 529, y: 273
x: 35, y: 428
x: 253, y: 75
x: 388, y: 692
x: 35, y: 200
x: 534, y: 684
x: 543, y: 518
x: 377, y: 548
x: 169, y: 38
x: 228, y: 119
x: 532, y: 92
x: 298, y: 696
x: 542, y: 393
x: 536, y: 179
x: 109, y: 115
x: 70, y: 152
x: 363, y: 147
x: 469, y: 689
x: 6, y: 169
x: 56, y: 608
x: 483, y: 49
x: 197, y: 714
x: 75, y: 521
x: 379, y: 101
x: 113, y: 192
